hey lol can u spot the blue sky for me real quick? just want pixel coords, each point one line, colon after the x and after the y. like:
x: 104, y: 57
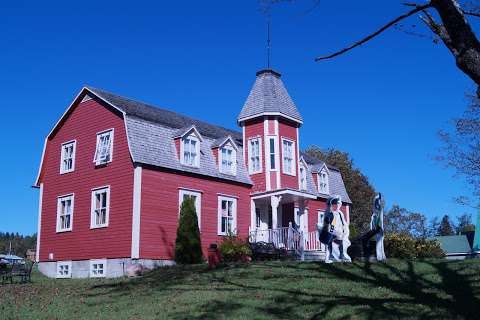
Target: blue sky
x: 383, y: 103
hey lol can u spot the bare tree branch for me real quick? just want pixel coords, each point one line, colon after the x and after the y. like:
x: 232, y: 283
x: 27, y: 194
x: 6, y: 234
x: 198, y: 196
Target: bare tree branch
x: 376, y: 33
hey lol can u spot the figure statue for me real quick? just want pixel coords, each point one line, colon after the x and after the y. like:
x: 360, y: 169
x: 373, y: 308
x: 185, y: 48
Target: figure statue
x: 334, y: 232
x: 376, y: 225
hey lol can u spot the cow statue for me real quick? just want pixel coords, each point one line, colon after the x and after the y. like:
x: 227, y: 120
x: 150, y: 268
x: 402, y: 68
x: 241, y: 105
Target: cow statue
x: 376, y: 225
x: 334, y: 232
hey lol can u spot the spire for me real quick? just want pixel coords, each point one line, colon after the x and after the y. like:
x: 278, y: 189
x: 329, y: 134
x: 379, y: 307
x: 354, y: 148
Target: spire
x: 269, y: 97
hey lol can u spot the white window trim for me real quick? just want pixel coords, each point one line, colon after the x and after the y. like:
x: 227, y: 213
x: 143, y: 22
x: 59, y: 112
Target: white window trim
x: 260, y: 155
x: 219, y: 215
x: 320, y: 213
x: 64, y: 263
x: 92, y: 208
x: 190, y: 136
x: 74, y: 142
x: 198, y: 204
x: 59, y: 199
x: 275, y: 152
x: 304, y: 176
x: 294, y: 162
x: 234, y: 159
x: 327, y: 183
x: 98, y: 261
x: 112, y: 135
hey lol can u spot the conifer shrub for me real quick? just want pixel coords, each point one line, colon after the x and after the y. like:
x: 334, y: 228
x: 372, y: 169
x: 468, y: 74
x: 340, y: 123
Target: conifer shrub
x: 188, y: 246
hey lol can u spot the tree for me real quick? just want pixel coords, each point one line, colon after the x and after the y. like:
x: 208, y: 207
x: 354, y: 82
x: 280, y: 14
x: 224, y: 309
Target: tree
x: 402, y: 221
x: 464, y: 223
x: 453, y: 30
x: 461, y: 147
x: 20, y: 243
x: 434, y: 226
x: 359, y: 189
x: 188, y: 247
x: 446, y: 228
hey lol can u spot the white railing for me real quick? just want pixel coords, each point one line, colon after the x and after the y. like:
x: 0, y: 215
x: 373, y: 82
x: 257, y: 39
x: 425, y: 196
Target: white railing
x: 311, y: 242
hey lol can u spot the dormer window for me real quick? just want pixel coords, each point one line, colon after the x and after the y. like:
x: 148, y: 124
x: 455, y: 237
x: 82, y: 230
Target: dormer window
x: 323, y: 185
x: 228, y: 157
x: 190, y: 153
x: 303, y: 177
x: 104, y: 149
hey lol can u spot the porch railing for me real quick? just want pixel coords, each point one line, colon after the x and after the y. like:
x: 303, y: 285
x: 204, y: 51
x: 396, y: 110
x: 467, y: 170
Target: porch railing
x: 311, y: 242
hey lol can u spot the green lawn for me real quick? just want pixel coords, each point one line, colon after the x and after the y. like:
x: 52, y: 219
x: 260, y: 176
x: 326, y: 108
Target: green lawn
x: 289, y: 290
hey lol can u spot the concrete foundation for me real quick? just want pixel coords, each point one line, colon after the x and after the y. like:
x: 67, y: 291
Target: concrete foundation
x: 114, y: 267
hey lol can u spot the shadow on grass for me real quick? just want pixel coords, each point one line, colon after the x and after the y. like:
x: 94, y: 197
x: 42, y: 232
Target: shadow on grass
x: 422, y: 289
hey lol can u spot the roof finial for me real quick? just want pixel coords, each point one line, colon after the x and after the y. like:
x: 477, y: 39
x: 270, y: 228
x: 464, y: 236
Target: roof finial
x: 269, y: 47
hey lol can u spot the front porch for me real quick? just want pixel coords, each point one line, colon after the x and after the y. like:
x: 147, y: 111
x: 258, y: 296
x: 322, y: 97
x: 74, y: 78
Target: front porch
x: 281, y: 218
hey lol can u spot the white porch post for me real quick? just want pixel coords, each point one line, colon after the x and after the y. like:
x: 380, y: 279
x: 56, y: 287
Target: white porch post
x: 253, y: 216
x: 275, y: 201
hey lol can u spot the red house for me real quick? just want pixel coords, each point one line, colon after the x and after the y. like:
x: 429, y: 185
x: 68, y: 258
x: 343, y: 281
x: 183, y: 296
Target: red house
x: 114, y: 172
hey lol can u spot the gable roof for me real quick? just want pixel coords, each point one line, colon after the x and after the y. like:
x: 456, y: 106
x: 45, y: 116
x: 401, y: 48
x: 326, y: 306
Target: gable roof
x: 454, y: 244
x: 269, y: 96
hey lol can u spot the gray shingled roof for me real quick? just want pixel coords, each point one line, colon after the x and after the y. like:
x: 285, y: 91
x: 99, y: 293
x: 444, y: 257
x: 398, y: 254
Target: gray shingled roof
x: 269, y: 95
x: 151, y: 133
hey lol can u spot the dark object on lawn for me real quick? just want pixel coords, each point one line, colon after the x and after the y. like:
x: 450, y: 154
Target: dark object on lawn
x: 16, y: 270
x: 363, y: 247
x: 267, y: 251
x: 213, y: 256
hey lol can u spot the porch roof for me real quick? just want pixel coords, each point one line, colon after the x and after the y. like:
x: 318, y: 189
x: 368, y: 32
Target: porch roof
x: 280, y: 192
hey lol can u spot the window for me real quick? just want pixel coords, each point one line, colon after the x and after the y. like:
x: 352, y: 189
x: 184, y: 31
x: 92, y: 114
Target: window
x: 321, y: 215
x: 103, y: 152
x: 228, y: 160
x: 288, y: 154
x: 67, y: 162
x: 255, y: 156
x: 100, y: 207
x: 190, y: 151
x: 64, y: 269
x: 98, y: 268
x: 64, y: 213
x: 227, y: 215
x: 258, y: 217
x: 303, y: 177
x: 197, y: 199
x: 323, y: 182
x: 272, y: 142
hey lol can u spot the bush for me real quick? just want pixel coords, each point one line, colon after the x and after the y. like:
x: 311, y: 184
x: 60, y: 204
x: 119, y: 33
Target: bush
x: 405, y: 247
x: 188, y: 247
x: 234, y: 249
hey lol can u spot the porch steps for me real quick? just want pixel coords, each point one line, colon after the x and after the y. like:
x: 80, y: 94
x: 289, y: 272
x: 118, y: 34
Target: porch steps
x: 316, y: 255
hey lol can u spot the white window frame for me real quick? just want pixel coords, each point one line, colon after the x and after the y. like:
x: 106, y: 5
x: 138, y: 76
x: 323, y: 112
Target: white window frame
x: 251, y: 169
x: 191, y: 137
x: 96, y: 160
x: 220, y: 215
x: 323, y: 187
x: 272, y: 153
x: 293, y: 152
x: 61, y: 269
x: 62, y: 156
x: 320, y: 217
x: 233, y: 170
x: 72, y: 206
x: 302, y: 177
x: 95, y: 191
x: 198, y: 203
x: 92, y: 270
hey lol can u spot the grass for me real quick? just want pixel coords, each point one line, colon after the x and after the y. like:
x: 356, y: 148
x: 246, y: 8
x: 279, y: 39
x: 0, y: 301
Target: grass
x: 436, y: 289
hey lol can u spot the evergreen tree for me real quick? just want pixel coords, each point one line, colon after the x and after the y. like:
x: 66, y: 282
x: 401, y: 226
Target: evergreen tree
x: 188, y: 247
x: 464, y: 223
x: 445, y: 228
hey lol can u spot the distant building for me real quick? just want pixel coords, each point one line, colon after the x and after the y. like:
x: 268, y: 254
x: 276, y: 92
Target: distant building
x: 455, y: 247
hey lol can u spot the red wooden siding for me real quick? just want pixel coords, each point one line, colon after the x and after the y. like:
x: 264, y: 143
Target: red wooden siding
x: 160, y: 209
x: 289, y: 131
x: 82, y: 125
x: 215, y: 156
x: 177, y: 147
x: 254, y: 129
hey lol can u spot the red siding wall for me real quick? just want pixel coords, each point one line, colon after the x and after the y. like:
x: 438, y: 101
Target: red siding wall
x: 84, y: 122
x: 160, y: 209
x: 253, y: 129
x: 288, y: 130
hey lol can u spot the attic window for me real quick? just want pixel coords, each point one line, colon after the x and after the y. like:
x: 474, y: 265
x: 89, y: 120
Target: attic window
x: 323, y: 185
x: 190, y: 151
x: 104, y: 149
x: 228, y: 157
